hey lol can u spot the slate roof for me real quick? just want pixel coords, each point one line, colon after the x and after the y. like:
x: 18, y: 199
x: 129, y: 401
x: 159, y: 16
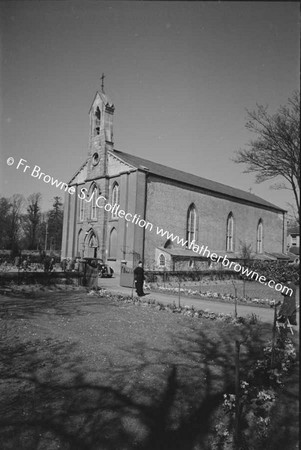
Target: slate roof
x: 278, y: 255
x: 193, y: 180
x: 294, y: 250
x: 185, y: 252
x: 293, y: 230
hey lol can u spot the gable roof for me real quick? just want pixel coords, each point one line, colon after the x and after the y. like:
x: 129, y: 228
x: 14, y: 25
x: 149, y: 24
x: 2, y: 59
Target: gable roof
x: 84, y: 164
x: 103, y: 97
x: 293, y: 230
x: 194, y: 180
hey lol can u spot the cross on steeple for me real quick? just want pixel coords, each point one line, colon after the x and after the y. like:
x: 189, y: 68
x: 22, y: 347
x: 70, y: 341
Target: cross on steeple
x: 102, y: 82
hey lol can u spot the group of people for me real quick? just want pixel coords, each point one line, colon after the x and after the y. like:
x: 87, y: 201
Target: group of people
x: 49, y: 264
x: 22, y: 264
x: 70, y: 265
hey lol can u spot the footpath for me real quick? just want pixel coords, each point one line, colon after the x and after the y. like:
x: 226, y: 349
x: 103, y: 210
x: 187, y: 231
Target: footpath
x: 265, y: 314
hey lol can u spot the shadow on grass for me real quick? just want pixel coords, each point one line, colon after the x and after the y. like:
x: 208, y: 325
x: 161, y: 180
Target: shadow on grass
x: 53, y: 396
x: 57, y: 302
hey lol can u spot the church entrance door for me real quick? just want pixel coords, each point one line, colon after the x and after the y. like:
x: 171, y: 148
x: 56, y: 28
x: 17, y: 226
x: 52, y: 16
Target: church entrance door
x: 91, y: 245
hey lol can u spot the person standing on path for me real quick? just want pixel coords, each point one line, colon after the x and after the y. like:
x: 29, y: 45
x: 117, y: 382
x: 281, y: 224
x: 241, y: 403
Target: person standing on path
x: 139, y: 279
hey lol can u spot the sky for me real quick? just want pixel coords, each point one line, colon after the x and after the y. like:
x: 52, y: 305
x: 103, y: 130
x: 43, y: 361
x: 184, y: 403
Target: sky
x: 180, y: 74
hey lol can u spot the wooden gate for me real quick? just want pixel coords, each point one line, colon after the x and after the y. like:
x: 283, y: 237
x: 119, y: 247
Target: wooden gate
x: 126, y: 276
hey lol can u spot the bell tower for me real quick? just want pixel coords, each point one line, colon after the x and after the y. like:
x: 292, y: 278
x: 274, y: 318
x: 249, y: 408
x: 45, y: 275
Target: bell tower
x: 101, y: 133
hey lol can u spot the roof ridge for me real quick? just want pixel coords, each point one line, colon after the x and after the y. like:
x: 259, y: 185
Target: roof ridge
x: 213, y: 186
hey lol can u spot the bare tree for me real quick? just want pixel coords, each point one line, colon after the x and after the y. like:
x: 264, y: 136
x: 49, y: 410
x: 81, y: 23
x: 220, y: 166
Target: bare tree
x: 276, y: 150
x: 4, y: 222
x: 32, y: 219
x: 15, y: 222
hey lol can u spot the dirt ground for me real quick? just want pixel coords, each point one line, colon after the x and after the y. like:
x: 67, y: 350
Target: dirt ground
x: 84, y: 372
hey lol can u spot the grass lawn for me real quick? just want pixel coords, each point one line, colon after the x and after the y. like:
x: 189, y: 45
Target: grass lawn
x: 84, y: 372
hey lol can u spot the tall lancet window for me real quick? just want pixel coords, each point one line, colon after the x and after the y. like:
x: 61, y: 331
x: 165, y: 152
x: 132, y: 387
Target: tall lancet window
x: 191, y: 224
x: 81, y: 210
x: 259, y: 244
x: 97, y: 117
x: 93, y: 203
x: 113, y: 244
x: 115, y: 197
x: 230, y: 233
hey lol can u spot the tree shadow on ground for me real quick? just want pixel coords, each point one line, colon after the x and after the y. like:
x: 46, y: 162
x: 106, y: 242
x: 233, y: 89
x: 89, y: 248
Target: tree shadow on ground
x: 59, y: 303
x: 53, y: 396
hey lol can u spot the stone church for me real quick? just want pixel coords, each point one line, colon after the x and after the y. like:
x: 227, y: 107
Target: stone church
x: 117, y: 204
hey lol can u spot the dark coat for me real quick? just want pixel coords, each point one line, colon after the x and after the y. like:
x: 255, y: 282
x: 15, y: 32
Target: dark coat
x: 139, y: 274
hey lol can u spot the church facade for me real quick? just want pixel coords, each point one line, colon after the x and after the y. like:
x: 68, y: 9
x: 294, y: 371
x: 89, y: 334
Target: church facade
x: 123, y: 208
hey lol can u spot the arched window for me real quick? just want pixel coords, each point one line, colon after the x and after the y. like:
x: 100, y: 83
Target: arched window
x: 230, y: 233
x: 81, y: 210
x: 113, y: 244
x: 115, y: 197
x: 92, y: 244
x: 259, y: 244
x: 97, y: 116
x: 80, y: 243
x: 93, y: 203
x: 191, y: 224
x: 162, y: 260
x: 191, y: 263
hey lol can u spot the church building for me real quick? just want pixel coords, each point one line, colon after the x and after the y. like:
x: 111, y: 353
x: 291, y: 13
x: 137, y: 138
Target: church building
x: 122, y: 208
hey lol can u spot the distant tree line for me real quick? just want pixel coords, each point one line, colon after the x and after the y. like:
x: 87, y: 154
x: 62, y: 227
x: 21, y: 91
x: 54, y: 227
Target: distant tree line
x: 23, y: 225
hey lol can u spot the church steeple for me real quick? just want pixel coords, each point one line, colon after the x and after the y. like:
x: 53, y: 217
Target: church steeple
x: 101, y: 131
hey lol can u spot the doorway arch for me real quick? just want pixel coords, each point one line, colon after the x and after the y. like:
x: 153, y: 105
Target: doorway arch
x: 91, y: 244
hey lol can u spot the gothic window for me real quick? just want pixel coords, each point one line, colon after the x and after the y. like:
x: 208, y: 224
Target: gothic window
x: 191, y: 263
x: 230, y: 233
x: 93, y: 203
x: 93, y: 241
x: 115, y: 196
x: 191, y: 224
x: 97, y: 116
x: 113, y: 244
x: 259, y: 246
x: 81, y: 210
x: 162, y: 260
x: 79, y: 243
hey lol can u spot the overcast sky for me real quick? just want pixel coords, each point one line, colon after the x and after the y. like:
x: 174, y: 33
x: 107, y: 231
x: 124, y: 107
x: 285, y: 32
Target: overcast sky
x: 181, y: 75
